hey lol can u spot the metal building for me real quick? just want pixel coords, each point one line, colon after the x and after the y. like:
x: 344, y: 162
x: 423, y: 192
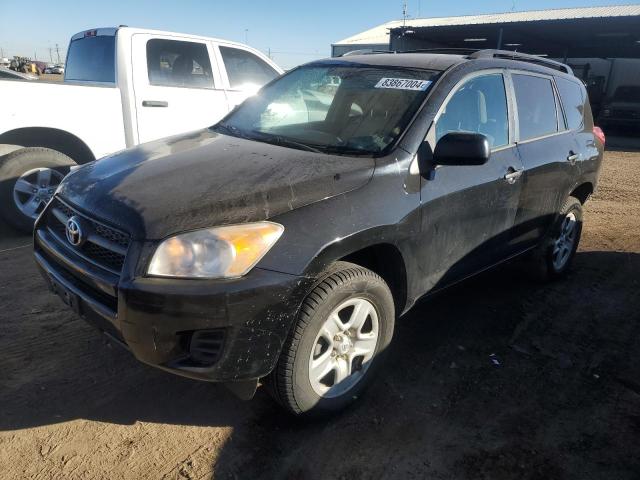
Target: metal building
x: 602, y: 44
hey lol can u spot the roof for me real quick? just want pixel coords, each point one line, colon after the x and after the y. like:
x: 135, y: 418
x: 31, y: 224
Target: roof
x: 407, y: 60
x: 380, y: 34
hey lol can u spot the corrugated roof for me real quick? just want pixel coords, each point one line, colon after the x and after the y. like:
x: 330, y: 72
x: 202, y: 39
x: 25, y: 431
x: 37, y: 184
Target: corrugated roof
x: 380, y: 34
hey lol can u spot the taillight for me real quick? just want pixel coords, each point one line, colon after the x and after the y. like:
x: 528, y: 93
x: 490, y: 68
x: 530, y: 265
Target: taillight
x: 597, y: 131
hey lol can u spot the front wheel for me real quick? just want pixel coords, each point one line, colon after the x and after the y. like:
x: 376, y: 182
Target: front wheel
x: 343, y: 328
x: 28, y: 180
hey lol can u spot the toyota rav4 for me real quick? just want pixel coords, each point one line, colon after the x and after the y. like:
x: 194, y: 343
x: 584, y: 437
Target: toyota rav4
x: 281, y: 244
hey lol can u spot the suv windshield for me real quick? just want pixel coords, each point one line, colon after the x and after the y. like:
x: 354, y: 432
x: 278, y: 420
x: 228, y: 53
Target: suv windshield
x: 344, y: 109
x: 627, y: 93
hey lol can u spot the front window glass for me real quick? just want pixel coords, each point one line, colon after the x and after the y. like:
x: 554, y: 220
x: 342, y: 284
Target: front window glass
x: 174, y: 63
x: 245, y: 70
x: 479, y: 106
x: 343, y: 109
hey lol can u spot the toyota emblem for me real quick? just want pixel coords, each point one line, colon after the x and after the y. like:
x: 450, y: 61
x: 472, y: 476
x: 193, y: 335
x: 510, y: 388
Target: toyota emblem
x: 74, y: 232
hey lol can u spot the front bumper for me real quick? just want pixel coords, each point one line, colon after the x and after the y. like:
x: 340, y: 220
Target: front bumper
x: 158, y: 319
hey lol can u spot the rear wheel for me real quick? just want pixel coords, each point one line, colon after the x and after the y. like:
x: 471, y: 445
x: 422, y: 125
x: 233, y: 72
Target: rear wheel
x: 344, y: 326
x: 554, y: 256
x: 28, y: 180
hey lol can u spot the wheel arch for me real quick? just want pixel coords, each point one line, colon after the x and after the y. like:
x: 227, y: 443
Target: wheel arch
x: 386, y: 260
x: 53, y: 138
x: 582, y: 192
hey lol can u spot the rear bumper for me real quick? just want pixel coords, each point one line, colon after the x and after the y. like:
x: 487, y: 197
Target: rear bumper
x: 157, y: 318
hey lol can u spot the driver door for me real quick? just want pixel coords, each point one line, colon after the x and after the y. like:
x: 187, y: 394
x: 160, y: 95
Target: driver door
x: 468, y: 211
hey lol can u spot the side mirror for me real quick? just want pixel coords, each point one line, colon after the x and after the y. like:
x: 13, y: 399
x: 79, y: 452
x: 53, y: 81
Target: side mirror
x: 462, y: 148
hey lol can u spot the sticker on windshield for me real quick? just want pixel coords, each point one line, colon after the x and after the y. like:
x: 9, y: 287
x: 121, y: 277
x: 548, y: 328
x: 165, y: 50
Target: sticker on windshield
x: 403, y: 84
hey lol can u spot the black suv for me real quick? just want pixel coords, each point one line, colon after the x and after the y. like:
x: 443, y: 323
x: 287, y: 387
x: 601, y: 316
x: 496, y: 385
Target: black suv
x: 282, y: 243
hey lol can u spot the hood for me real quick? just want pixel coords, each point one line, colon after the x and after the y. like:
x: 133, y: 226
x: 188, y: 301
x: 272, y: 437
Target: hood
x: 203, y: 179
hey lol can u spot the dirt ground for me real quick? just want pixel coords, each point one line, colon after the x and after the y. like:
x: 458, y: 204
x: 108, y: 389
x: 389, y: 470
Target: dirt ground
x: 562, y: 402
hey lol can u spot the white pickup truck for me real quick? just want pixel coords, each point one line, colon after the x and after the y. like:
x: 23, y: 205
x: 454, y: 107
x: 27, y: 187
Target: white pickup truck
x: 122, y: 86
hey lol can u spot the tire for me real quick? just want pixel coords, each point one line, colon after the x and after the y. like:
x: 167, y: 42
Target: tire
x: 32, y: 165
x: 546, y: 257
x: 347, y: 287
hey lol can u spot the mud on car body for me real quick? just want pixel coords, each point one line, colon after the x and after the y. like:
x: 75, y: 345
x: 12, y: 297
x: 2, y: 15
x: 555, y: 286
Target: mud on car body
x: 281, y: 243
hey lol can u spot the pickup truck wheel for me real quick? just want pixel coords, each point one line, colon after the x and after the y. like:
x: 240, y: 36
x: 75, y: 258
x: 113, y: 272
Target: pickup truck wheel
x: 28, y: 179
x: 554, y: 256
x: 344, y: 326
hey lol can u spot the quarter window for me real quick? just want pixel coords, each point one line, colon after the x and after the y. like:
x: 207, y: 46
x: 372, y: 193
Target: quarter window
x: 573, y: 101
x: 173, y: 63
x: 245, y: 70
x: 479, y: 106
x: 537, y: 114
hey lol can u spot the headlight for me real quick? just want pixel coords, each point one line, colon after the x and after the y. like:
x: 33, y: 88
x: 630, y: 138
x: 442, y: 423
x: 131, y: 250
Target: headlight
x: 221, y: 252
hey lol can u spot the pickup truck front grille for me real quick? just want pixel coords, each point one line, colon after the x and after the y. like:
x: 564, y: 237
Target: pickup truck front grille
x: 104, y: 246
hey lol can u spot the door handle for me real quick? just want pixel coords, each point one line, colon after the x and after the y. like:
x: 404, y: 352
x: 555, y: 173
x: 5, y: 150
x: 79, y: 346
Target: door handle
x: 573, y: 157
x: 512, y: 175
x: 155, y: 103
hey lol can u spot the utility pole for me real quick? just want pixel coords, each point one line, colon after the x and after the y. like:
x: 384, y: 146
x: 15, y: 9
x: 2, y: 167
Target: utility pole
x: 58, y: 52
x: 50, y: 55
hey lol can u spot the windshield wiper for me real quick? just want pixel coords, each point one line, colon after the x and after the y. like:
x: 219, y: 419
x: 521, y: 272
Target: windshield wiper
x: 230, y: 130
x: 283, y: 141
x: 344, y: 150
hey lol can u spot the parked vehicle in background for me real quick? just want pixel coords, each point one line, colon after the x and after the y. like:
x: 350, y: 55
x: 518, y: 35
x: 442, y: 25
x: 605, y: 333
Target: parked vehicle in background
x: 8, y: 74
x: 622, y: 109
x: 57, y: 69
x: 281, y: 246
x: 122, y: 86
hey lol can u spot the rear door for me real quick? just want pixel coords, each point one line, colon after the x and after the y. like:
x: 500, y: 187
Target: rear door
x: 177, y: 86
x: 548, y: 152
x: 244, y: 72
x: 468, y: 211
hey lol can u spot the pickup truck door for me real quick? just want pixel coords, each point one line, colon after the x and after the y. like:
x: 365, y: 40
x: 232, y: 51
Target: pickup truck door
x: 177, y: 85
x: 468, y: 211
x: 243, y: 71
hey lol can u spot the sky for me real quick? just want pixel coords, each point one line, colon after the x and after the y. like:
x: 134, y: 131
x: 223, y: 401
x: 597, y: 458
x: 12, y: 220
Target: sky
x: 294, y: 31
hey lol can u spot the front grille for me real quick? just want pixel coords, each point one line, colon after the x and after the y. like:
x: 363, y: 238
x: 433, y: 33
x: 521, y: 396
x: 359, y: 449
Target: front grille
x: 104, y: 246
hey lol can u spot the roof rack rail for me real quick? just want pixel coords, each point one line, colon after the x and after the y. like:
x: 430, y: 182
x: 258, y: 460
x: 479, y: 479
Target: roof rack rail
x: 365, y: 51
x: 523, y: 57
x: 443, y: 50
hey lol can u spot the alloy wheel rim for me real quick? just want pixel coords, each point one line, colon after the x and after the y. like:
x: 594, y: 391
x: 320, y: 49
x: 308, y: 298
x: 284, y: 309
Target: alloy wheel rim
x: 33, y: 190
x: 563, y: 245
x: 344, y: 347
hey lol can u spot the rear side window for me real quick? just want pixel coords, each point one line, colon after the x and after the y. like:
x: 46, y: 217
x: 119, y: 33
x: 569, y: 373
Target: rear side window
x: 246, y: 70
x: 479, y: 106
x: 537, y: 115
x: 92, y: 59
x: 174, y: 63
x: 572, y: 96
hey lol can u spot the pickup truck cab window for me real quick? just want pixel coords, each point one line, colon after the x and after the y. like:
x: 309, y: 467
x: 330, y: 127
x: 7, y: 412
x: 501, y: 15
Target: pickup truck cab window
x: 175, y: 63
x: 92, y: 58
x: 342, y: 109
x: 478, y: 106
x: 537, y: 114
x: 244, y: 69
